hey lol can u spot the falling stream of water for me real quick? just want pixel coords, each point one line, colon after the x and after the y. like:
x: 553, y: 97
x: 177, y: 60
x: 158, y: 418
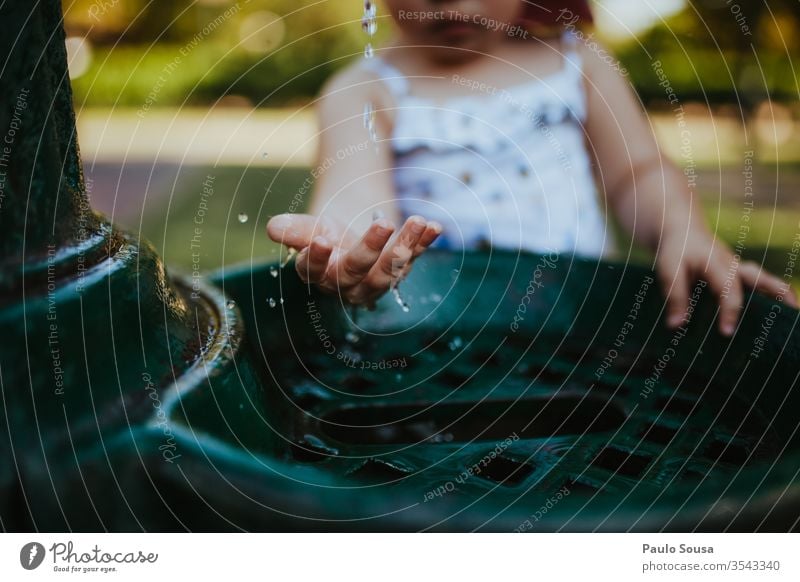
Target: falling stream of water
x: 369, y: 24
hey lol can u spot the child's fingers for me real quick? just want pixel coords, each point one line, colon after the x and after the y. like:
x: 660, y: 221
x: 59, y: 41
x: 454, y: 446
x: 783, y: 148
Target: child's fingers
x: 392, y: 261
x: 730, y: 297
x: 674, y: 281
x: 356, y: 263
x: 292, y: 230
x: 432, y: 230
x: 396, y: 256
x: 312, y: 262
x: 753, y: 276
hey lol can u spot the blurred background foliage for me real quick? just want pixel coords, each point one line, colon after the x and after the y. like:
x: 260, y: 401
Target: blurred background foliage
x: 278, y: 52
x: 226, y: 86
x: 265, y: 52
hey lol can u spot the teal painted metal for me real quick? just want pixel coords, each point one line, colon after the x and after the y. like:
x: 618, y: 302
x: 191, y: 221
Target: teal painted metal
x: 712, y: 444
x: 509, y: 398
x: 95, y: 332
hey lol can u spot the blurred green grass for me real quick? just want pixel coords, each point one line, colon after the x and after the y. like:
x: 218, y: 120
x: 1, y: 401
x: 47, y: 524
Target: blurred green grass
x: 169, y: 223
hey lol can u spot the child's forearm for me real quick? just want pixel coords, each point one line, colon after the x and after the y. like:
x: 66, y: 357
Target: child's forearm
x: 656, y: 204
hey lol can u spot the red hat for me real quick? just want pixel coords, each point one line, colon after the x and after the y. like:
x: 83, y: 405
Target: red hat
x: 551, y: 12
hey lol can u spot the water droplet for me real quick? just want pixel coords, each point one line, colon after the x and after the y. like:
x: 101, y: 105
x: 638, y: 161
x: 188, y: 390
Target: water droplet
x: 264, y: 155
x: 230, y: 304
x: 281, y: 301
x: 352, y: 337
x: 243, y: 217
x: 292, y: 252
x: 241, y: 406
x: 369, y: 52
x: 399, y: 300
x: 448, y: 437
x: 273, y: 271
x: 455, y: 344
x: 398, y: 377
x: 454, y: 274
x: 369, y: 20
x: 369, y: 115
x: 436, y: 298
x: 271, y: 302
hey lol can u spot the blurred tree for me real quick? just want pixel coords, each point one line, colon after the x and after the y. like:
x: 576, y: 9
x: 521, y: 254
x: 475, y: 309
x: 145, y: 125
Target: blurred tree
x: 286, y: 49
x: 131, y: 21
x: 721, y: 51
x: 738, y: 24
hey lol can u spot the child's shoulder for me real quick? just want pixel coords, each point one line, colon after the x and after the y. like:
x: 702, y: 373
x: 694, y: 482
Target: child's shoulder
x: 346, y: 92
x: 355, y: 81
x: 353, y: 77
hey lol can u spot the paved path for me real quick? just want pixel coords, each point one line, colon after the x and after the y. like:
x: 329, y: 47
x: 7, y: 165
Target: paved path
x: 129, y: 158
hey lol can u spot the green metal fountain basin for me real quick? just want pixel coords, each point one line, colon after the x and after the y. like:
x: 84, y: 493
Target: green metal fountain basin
x: 518, y: 393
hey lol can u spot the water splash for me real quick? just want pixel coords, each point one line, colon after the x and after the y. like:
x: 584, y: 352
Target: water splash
x: 399, y: 299
x: 243, y: 217
x: 369, y: 121
x: 369, y: 20
x: 369, y: 24
x: 289, y: 255
x: 271, y: 301
x: 352, y: 335
x: 273, y: 272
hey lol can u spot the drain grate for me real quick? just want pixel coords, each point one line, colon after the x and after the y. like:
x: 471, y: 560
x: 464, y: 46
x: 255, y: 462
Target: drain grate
x: 540, y: 417
x: 658, y: 433
x: 622, y: 462
x: 506, y: 470
x: 675, y: 405
x: 310, y: 449
x: 580, y: 488
x: 729, y: 452
x: 377, y: 471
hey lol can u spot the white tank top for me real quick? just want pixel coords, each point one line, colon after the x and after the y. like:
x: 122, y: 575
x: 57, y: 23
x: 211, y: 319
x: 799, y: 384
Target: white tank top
x: 506, y: 168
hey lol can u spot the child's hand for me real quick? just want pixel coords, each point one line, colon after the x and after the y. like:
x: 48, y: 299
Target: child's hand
x: 359, y: 270
x: 684, y: 259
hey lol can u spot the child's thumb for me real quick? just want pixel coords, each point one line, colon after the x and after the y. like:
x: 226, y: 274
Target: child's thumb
x: 292, y: 230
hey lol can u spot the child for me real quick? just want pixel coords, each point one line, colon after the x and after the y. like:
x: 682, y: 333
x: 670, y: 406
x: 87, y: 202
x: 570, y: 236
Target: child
x: 497, y: 137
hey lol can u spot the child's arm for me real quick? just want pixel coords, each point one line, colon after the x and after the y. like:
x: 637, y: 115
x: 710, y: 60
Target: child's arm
x: 342, y: 249
x: 650, y: 196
